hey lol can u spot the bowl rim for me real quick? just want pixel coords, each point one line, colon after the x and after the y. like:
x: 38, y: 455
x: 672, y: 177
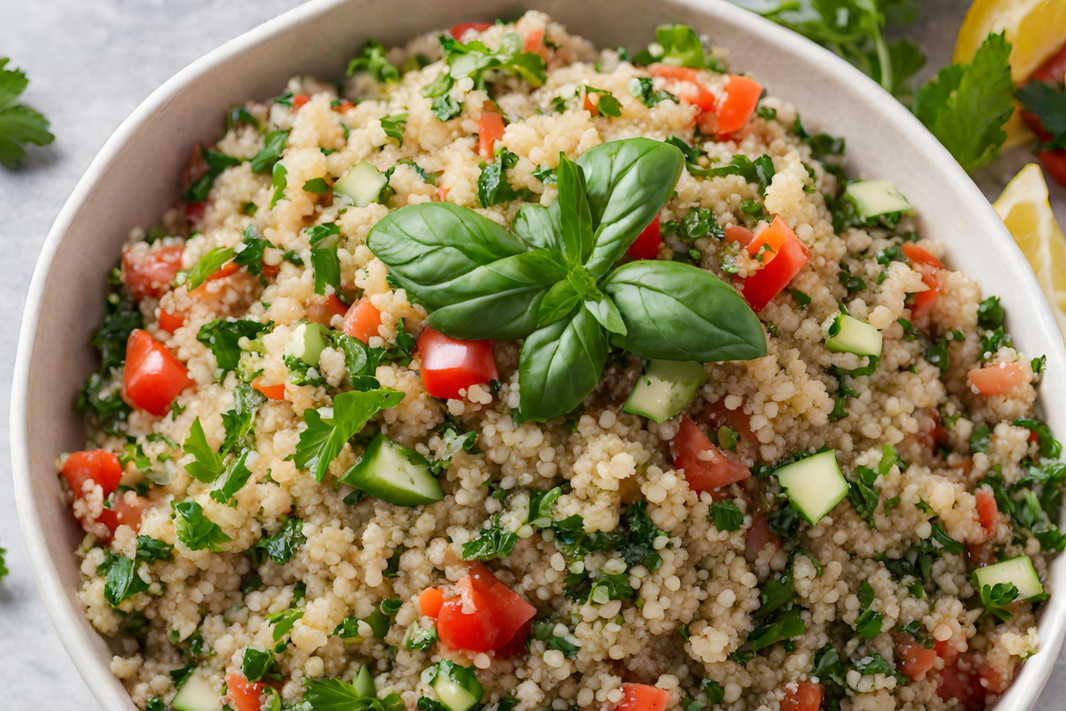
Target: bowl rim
x: 67, y: 617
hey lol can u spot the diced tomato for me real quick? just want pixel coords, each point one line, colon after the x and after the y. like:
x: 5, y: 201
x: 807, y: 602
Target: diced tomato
x: 299, y: 101
x: 784, y: 257
x: 362, y: 320
x: 641, y: 697
x: 322, y: 309
x: 430, y: 602
x: 465, y: 623
x: 997, y: 378
x: 946, y: 651
x: 931, y: 431
x: 987, y: 509
x: 459, y: 30
x: 923, y: 302
x: 758, y: 537
x: 703, y: 474
x: 1054, y: 163
x: 442, y: 194
x: 96, y: 465
x: 1053, y: 71
x: 670, y: 71
x: 647, y: 243
x: 980, y: 555
x: 123, y: 513
x: 246, y: 695
x: 343, y: 106
x: 737, y: 104
x: 490, y: 129
x: 920, y: 255
x: 715, y: 415
x: 807, y: 696
x: 151, y: 274
x: 270, y: 271
x: 534, y: 42
x: 739, y: 234
x: 963, y: 686
x: 170, y: 322
x: 153, y: 377
x: 914, y: 658
x: 194, y: 211
x: 589, y: 106
x: 450, y: 365
x: 994, y: 681
x: 272, y: 392
x: 510, y: 613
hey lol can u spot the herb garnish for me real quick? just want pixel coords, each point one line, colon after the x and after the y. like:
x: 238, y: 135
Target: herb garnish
x: 19, y: 124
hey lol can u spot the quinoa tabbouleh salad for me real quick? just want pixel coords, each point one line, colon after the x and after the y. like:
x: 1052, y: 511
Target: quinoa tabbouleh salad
x: 516, y: 374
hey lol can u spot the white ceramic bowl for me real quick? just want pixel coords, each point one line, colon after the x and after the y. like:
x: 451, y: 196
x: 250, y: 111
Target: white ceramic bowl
x: 135, y: 178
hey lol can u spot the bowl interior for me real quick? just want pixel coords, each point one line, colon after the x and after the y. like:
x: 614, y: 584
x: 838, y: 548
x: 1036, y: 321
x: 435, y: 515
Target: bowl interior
x: 136, y: 177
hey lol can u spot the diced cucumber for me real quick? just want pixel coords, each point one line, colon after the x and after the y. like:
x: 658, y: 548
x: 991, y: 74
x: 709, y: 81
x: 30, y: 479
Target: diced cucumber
x: 848, y: 334
x: 395, y: 474
x: 364, y: 683
x: 457, y: 686
x: 197, y: 694
x: 814, y: 484
x: 307, y: 342
x: 665, y: 389
x: 1018, y: 571
x: 876, y: 197
x: 361, y: 185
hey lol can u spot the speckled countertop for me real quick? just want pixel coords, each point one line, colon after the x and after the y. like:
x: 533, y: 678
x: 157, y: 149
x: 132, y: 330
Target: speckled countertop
x: 90, y: 63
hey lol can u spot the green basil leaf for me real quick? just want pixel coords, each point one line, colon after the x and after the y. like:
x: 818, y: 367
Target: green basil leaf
x: 538, y: 227
x: 607, y: 314
x: 558, y: 303
x: 429, y: 245
x: 499, y: 300
x: 681, y: 46
x: 575, y: 216
x: 208, y: 265
x: 560, y: 365
x: 676, y: 311
x: 628, y: 183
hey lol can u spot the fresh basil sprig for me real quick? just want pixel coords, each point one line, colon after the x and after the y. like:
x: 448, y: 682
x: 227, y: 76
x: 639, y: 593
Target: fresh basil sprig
x: 554, y: 282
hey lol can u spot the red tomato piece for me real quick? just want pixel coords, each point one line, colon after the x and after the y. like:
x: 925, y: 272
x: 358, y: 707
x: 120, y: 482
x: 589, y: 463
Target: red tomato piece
x: 703, y: 474
x: 997, y: 378
x: 647, y: 243
x: 923, y: 302
x: 1054, y: 163
x: 589, y: 106
x: 534, y: 42
x: 299, y: 101
x: 342, y: 106
x: 123, y: 513
x: 914, y: 658
x: 920, y: 255
x: 641, y: 697
x: 807, y: 696
x: 272, y: 392
x: 96, y: 465
x: 987, y: 509
x: 430, y: 602
x: 465, y: 622
x: 737, y: 103
x: 784, y: 257
x: 739, y: 234
x: 459, y: 30
x: 963, y: 686
x: 170, y: 322
x: 758, y: 537
x: 716, y: 415
x: 450, y: 365
x: 490, y: 129
x: 1053, y: 71
x: 322, y: 310
x: 152, y: 274
x: 230, y: 267
x: 246, y: 695
x: 194, y: 211
x: 946, y: 651
x: 692, y: 90
x: 510, y: 613
x: 362, y: 320
x: 153, y: 377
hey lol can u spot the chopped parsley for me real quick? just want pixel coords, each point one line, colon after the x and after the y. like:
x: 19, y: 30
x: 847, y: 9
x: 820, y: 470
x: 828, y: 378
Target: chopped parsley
x: 19, y: 124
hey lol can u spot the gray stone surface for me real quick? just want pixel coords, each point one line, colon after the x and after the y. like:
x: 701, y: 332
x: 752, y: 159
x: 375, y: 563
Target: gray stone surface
x: 91, y: 62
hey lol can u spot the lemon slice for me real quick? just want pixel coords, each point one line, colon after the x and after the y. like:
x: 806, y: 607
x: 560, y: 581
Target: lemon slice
x: 1036, y: 30
x: 1025, y: 209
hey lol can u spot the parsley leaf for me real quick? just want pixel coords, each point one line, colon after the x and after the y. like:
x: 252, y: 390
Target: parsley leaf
x: 1048, y: 102
x: 995, y: 599
x: 233, y: 478
x: 965, y: 106
x: 372, y: 60
x: 641, y: 88
x: 284, y: 621
x: 494, y: 542
x: 206, y: 465
x: 394, y: 126
x: 323, y: 439
x: 420, y: 638
x: 446, y: 108
x: 540, y: 507
x: 251, y: 251
x: 475, y: 59
x: 726, y: 515
x: 19, y: 124
x: 240, y: 421
x: 257, y: 664
x: 273, y: 145
x: 208, y: 265
x: 283, y: 544
x: 544, y: 631
x: 223, y: 337
x: 492, y: 185
x: 453, y: 444
x: 195, y: 529
x: 324, y: 259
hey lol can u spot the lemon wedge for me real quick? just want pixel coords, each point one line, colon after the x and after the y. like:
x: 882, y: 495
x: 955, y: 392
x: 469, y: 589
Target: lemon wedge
x: 1025, y: 210
x: 1036, y: 30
